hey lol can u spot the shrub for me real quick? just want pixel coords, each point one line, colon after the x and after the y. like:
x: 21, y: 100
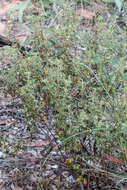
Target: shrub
x: 81, y: 76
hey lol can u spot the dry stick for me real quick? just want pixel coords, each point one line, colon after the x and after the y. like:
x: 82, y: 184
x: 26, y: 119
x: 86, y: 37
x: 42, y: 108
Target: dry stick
x: 56, y: 142
x: 6, y: 42
x: 53, y: 20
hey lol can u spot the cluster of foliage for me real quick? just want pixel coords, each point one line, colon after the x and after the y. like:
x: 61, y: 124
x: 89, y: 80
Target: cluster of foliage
x: 81, y: 75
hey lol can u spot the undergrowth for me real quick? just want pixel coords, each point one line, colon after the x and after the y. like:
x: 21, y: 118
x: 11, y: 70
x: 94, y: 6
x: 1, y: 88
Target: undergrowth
x: 81, y: 75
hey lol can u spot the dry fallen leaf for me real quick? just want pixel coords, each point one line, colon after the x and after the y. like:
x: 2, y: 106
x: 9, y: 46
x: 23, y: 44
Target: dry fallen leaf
x: 114, y: 159
x: 3, y: 122
x: 85, y: 181
x: 40, y: 143
x: 69, y: 160
x: 86, y: 14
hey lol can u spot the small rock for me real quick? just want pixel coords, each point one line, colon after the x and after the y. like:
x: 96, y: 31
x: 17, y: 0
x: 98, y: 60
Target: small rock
x: 70, y: 179
x: 2, y: 155
x: 54, y: 166
x: 48, y: 173
x: 48, y: 167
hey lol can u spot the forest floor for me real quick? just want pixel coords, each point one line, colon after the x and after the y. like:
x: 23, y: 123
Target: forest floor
x: 33, y: 161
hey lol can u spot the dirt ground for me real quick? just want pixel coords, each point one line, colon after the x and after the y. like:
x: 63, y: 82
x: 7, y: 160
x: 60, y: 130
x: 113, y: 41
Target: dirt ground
x: 5, y: 7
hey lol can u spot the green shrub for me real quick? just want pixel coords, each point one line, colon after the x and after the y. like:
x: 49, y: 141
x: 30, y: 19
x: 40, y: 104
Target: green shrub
x: 81, y: 75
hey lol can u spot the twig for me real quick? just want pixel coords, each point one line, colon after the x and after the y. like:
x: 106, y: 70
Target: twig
x: 53, y: 20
